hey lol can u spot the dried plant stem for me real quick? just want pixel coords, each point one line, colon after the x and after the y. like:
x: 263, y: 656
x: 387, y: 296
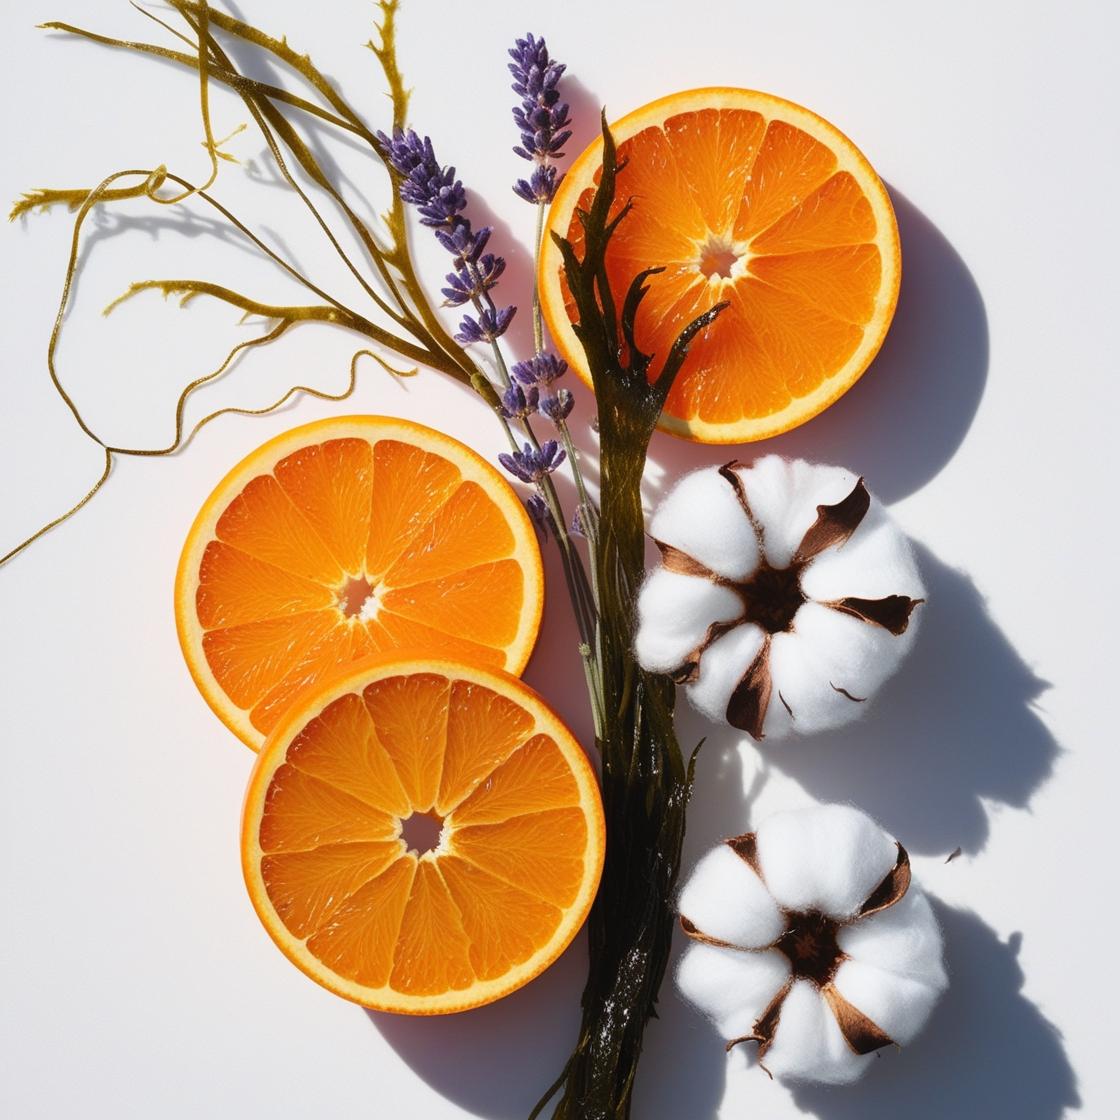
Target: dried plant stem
x: 645, y: 781
x: 538, y: 325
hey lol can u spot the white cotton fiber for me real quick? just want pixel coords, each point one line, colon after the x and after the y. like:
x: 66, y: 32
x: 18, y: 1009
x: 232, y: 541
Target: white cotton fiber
x: 720, y: 670
x: 829, y: 665
x: 732, y: 988
x: 727, y: 900
x: 702, y: 517
x: 897, y: 1005
x: 805, y: 699
x: 826, y: 857
x: 839, y: 623
x: 858, y: 982
x: 877, y: 561
x: 905, y: 939
x: 674, y: 613
x: 808, y: 1045
x: 784, y: 495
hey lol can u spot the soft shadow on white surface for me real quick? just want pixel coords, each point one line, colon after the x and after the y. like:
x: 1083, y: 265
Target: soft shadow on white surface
x: 955, y: 728
x: 497, y: 1060
x: 987, y: 1052
x: 907, y: 415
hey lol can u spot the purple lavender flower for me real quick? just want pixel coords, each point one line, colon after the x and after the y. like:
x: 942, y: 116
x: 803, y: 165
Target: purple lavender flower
x: 465, y: 282
x: 540, y: 186
x: 556, y: 406
x: 517, y: 403
x: 439, y: 199
x: 463, y: 243
x: 541, y: 516
x: 542, y: 369
x: 541, y: 117
x: 435, y: 192
x: 531, y: 465
x: 491, y: 324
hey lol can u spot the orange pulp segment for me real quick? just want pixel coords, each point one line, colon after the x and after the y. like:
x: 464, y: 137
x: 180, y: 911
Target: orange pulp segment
x: 354, y: 902
x: 746, y: 198
x: 343, y: 539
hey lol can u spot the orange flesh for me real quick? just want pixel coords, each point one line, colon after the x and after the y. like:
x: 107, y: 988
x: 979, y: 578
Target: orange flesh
x: 756, y: 212
x: 345, y: 549
x: 512, y: 855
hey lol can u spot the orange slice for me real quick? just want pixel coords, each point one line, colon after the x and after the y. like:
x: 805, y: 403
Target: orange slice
x: 340, y: 878
x: 343, y: 539
x: 744, y: 197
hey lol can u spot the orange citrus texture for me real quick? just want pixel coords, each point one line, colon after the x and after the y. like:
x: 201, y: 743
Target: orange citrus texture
x: 520, y: 849
x: 743, y: 197
x: 343, y: 539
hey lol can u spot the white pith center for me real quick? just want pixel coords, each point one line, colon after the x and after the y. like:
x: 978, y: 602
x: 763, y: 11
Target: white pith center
x: 722, y: 259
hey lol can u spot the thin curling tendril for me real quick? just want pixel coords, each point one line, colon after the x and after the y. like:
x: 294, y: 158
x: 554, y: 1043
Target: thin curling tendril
x: 404, y: 301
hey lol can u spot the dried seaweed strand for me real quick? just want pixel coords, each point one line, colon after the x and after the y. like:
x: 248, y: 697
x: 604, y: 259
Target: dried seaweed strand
x: 404, y: 300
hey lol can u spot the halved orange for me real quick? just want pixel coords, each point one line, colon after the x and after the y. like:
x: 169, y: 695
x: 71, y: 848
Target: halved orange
x: 343, y: 539
x: 740, y: 196
x: 348, y: 892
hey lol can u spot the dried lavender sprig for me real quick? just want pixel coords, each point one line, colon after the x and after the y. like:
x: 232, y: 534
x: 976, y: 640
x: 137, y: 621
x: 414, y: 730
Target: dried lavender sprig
x: 541, y: 372
x: 440, y: 198
x: 542, y: 117
x: 490, y: 325
x: 461, y: 287
x: 531, y: 464
x: 543, y: 121
x: 541, y: 518
x: 557, y: 406
x: 541, y: 369
x: 518, y: 403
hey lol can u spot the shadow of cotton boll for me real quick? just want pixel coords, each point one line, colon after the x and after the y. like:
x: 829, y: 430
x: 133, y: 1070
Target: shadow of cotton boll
x: 956, y: 726
x: 987, y: 1051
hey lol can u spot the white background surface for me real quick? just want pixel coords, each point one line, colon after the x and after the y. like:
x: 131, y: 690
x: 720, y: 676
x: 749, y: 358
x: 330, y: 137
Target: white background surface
x: 136, y: 979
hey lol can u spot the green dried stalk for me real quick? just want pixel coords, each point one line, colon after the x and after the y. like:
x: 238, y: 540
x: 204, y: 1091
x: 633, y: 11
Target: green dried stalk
x: 646, y: 782
x: 417, y: 336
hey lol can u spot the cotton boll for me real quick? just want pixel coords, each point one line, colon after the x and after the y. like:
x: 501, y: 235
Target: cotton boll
x: 727, y: 900
x: 732, y: 988
x: 702, y: 517
x: 784, y: 495
x: 898, y: 1005
x: 720, y: 669
x: 904, y: 938
x: 674, y: 613
x: 827, y: 858
x: 828, y: 654
x: 808, y: 1044
x: 825, y: 586
x: 861, y: 946
x: 803, y: 685
x: 876, y: 561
